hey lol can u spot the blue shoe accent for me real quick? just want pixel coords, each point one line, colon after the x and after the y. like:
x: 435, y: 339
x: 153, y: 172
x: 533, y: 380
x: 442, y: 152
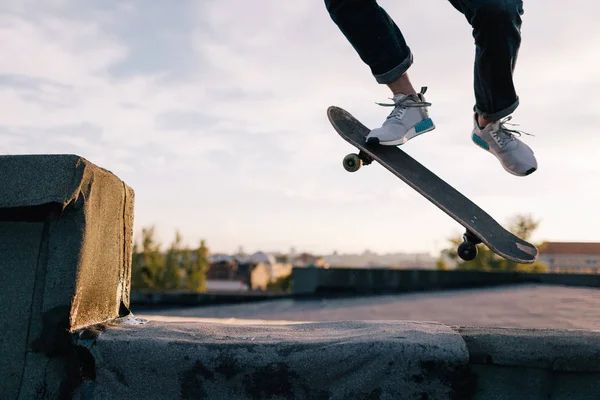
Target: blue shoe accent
x: 424, y: 125
x: 480, y: 142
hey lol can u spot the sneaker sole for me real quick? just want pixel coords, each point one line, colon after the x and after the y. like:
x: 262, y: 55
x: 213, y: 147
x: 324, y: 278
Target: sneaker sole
x: 422, y: 127
x: 474, y: 140
x: 528, y: 172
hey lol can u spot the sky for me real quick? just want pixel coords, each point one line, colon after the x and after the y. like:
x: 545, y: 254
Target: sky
x: 214, y: 112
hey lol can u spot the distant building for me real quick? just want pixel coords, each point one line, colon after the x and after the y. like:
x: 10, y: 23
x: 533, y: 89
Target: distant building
x: 369, y: 259
x: 275, y: 269
x: 582, y: 257
x: 222, y: 268
x: 308, y: 260
x: 256, y: 276
x: 223, y: 275
x: 260, y: 277
x: 254, y: 271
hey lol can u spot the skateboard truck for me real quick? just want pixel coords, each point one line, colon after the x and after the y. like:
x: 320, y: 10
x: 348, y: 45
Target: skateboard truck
x: 352, y: 162
x: 467, y: 250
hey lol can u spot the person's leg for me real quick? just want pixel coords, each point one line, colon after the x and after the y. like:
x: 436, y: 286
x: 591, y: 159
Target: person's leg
x: 497, y: 33
x: 380, y: 44
x: 377, y: 40
x: 496, y: 30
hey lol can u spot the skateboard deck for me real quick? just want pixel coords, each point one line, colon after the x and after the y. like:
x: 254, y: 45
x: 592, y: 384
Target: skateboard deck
x: 480, y: 226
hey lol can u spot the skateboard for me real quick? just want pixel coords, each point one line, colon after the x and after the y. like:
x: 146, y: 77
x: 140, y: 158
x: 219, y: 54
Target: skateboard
x: 480, y: 226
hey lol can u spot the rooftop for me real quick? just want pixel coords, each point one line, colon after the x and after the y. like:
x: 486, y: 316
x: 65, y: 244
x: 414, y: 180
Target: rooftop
x: 587, y: 248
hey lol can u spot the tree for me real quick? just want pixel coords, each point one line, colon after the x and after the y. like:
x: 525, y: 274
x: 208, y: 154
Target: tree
x: 523, y: 226
x: 281, y: 284
x: 148, y: 264
x: 138, y: 270
x: 172, y: 276
x: 186, y: 263
x: 441, y: 265
x: 152, y: 269
x: 196, y: 272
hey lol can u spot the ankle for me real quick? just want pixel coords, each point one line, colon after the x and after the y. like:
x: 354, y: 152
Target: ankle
x: 402, y: 86
x: 404, y: 92
x: 482, y: 122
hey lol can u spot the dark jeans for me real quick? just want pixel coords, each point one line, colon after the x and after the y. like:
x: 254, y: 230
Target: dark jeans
x: 496, y: 30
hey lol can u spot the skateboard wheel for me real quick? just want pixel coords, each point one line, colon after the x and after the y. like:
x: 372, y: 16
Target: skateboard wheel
x: 352, y: 162
x: 467, y: 251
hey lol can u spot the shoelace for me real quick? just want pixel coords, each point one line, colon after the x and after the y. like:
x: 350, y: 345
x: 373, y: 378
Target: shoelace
x: 407, y: 101
x: 509, y: 134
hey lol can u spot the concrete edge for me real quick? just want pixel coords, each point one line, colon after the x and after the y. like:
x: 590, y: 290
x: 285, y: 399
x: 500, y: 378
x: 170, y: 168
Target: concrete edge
x: 213, y: 355
x: 572, y: 350
x: 35, y: 180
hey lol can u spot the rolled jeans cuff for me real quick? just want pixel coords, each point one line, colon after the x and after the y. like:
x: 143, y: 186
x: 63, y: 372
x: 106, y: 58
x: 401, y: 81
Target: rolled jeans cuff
x: 396, y: 72
x: 495, y: 116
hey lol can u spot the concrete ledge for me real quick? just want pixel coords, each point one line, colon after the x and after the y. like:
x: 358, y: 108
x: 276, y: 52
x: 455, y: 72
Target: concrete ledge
x: 65, y: 257
x: 336, y: 360
x: 553, y: 350
x: 534, y: 363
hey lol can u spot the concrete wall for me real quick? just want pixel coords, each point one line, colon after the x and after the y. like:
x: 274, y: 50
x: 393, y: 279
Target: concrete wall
x: 141, y: 298
x: 336, y: 281
x: 582, y: 280
x: 367, y: 280
x: 65, y: 256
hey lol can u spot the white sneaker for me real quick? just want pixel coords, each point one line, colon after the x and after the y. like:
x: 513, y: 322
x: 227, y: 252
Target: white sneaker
x: 408, y: 119
x: 514, y: 155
